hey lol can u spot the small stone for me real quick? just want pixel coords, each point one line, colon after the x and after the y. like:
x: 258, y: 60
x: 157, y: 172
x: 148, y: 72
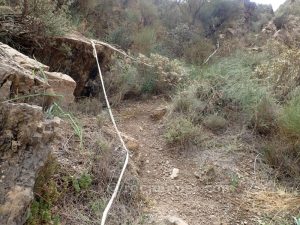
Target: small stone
x: 131, y: 143
x: 56, y: 120
x: 158, y: 113
x: 175, y: 173
x: 197, y: 175
x: 173, y: 220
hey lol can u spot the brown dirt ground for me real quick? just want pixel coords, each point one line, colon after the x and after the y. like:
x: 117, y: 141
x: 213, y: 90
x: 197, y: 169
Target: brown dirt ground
x: 214, y: 181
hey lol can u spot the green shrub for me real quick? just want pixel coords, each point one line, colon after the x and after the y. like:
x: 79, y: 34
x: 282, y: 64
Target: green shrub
x: 198, y: 50
x: 144, y: 40
x: 5, y: 10
x: 82, y: 183
x: 184, y: 102
x: 234, y: 82
x: 48, y: 18
x: 150, y: 75
x: 182, y: 131
x: 124, y: 80
x: 187, y: 103
x: 282, y: 72
x: 163, y: 75
x: 289, y: 119
x: 121, y: 37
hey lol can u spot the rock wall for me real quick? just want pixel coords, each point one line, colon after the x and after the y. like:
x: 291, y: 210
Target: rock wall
x: 25, y: 143
x: 26, y: 137
x: 71, y: 54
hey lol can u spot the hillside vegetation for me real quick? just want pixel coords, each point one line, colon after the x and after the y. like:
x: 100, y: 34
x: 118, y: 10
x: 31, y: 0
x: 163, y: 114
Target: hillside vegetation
x: 224, y: 67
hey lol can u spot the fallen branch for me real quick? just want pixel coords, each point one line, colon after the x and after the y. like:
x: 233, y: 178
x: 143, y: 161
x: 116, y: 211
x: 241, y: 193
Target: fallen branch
x: 119, y: 51
x: 209, y: 57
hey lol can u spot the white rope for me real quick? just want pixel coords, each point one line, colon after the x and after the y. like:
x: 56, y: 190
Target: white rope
x: 105, y: 213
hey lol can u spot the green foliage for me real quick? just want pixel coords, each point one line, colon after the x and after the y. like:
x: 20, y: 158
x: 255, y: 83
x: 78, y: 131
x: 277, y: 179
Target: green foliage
x: 182, y: 131
x: 189, y: 104
x: 82, y: 183
x: 289, y: 8
x: 198, y: 50
x: 120, y: 36
x: 161, y: 75
x: 40, y: 213
x: 48, y: 17
x: 47, y: 194
x: 98, y: 207
x: 5, y: 10
x: 290, y: 118
x: 217, y: 12
x: 144, y: 40
x: 282, y: 71
x: 283, y: 156
x: 234, y: 78
x: 150, y: 75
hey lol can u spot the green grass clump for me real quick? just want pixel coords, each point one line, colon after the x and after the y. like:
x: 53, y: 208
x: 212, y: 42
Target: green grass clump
x: 237, y: 83
x: 56, y: 110
x: 290, y: 118
x: 181, y: 131
x: 82, y: 183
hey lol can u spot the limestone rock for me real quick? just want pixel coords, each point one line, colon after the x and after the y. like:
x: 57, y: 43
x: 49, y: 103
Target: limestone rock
x: 72, y: 54
x: 175, y: 173
x: 131, y: 143
x: 173, y: 220
x: 23, y: 76
x: 62, y: 84
x: 25, y: 143
x: 158, y: 113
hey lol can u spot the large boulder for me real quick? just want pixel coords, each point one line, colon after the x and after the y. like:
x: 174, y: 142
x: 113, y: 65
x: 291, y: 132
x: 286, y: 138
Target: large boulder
x: 71, y: 54
x: 22, y: 76
x: 25, y: 143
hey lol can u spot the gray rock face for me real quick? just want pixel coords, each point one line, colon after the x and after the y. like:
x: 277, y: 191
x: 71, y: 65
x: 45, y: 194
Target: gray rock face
x: 26, y: 137
x: 24, y: 148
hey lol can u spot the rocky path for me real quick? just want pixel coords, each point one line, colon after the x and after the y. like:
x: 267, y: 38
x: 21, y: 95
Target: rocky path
x: 213, y: 179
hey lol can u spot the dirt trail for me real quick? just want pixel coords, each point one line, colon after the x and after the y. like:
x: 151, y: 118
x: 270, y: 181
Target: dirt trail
x: 213, y: 179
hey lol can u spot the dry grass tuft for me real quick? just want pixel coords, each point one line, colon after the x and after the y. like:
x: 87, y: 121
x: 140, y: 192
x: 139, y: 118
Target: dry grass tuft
x: 278, y: 203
